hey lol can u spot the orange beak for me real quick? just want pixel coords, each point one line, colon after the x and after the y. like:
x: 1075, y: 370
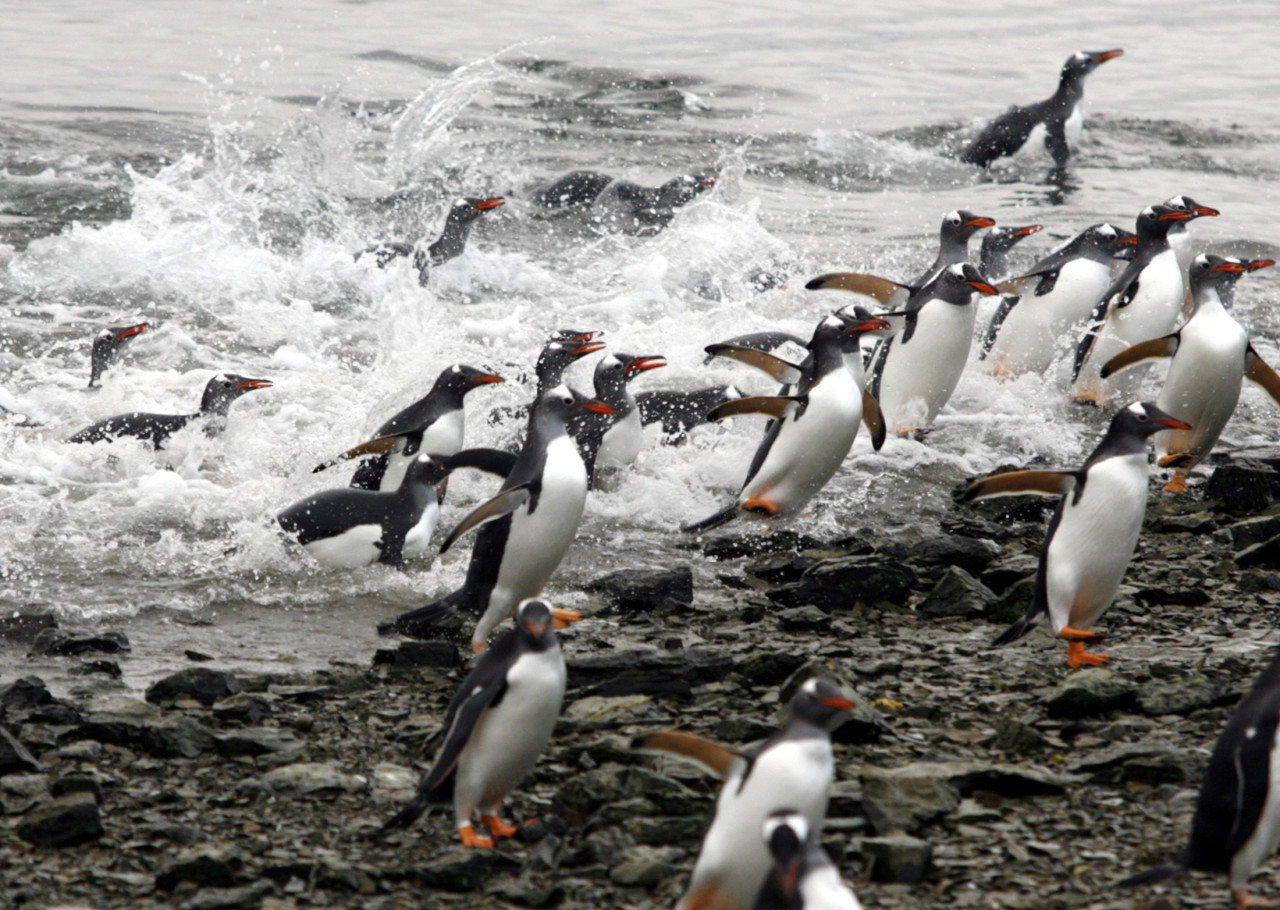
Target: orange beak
x: 1259, y: 264
x: 645, y: 363
x: 1173, y: 423
x: 1175, y: 216
x: 589, y: 348
x: 983, y: 287
x: 596, y: 407
x: 487, y: 378
x: 488, y: 204
x: 980, y: 222
x: 133, y: 330
x: 874, y: 324
x: 255, y: 384
x: 842, y: 703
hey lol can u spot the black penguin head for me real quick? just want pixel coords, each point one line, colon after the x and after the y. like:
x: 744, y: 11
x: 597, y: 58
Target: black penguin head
x: 1142, y: 419
x: 429, y: 470
x: 957, y: 283
x: 535, y: 622
x: 1109, y: 240
x: 461, y: 378
x: 786, y: 834
x: 1156, y: 220
x: 614, y: 371
x: 820, y: 701
x: 225, y: 388
x: 1082, y: 63
x: 558, y: 405
x: 961, y: 225
x: 1003, y: 239
x: 1222, y: 272
x: 469, y: 208
x: 683, y: 189
x: 857, y: 321
x: 107, y: 345
x: 1190, y: 206
x: 558, y: 354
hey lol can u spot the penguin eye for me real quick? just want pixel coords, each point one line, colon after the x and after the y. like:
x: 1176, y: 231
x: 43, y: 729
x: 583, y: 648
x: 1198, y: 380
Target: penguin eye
x: 953, y: 219
x: 566, y: 399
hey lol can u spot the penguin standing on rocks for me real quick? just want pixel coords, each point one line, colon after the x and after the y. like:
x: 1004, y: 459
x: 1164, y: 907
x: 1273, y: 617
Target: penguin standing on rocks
x: 1040, y: 307
x: 463, y: 214
x: 107, y: 345
x: 791, y: 771
x: 525, y: 530
x: 1145, y: 302
x: 803, y: 876
x: 813, y: 427
x: 1056, y: 124
x: 1211, y: 356
x: 219, y: 393
x: 914, y: 372
x: 619, y: 205
x: 612, y: 441
x: 1093, y: 532
x: 499, y: 722
x: 432, y: 424
x: 350, y: 527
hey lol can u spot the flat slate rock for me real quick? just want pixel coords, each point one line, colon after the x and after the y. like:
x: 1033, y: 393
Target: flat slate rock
x: 315, y: 780
x: 643, y: 590
x: 22, y: 628
x: 1092, y: 691
x: 202, y: 684
x: 60, y: 642
x: 1243, y: 486
x: 437, y: 653
x: 635, y: 672
x: 843, y: 582
x: 63, y: 822
x: 14, y: 756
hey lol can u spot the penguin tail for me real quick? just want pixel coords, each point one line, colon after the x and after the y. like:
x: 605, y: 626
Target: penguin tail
x: 408, y: 815
x: 1015, y: 631
x: 724, y: 516
x: 441, y: 619
x: 1167, y: 869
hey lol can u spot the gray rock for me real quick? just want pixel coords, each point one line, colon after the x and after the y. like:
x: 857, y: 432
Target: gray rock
x: 735, y: 546
x: 183, y: 835
x: 244, y: 897
x: 201, y: 684
x: 579, y: 798
x: 77, y: 783
x: 1013, y: 603
x: 257, y: 741
x: 204, y: 868
x: 1147, y: 762
x: 62, y: 822
x: 842, y: 583
x: 315, y: 780
x: 648, y: 672
x: 22, y: 628
x: 646, y: 866
x: 957, y: 594
x: 24, y: 694
x: 1016, y: 738
x: 897, y: 858
x: 462, y: 871
x: 107, y: 668
x: 968, y: 553
x: 1179, y: 695
x: 1090, y: 692
x: 803, y: 619
x: 644, y: 590
x: 1243, y: 486
x: 1244, y: 534
x: 14, y: 756
x: 409, y: 654
x: 67, y: 642
x: 246, y: 708
x: 25, y: 785
x: 175, y: 737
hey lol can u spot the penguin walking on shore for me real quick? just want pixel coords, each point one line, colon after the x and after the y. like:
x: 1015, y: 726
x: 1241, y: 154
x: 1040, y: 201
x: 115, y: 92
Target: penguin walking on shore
x: 462, y: 216
x: 792, y: 770
x: 1145, y: 302
x: 107, y: 345
x: 914, y: 371
x: 351, y: 526
x: 814, y: 422
x: 619, y: 205
x: 803, y: 876
x: 1055, y: 124
x: 1237, y: 820
x: 219, y: 393
x: 1094, y: 530
x: 614, y: 440
x: 498, y: 723
x: 524, y: 531
x: 435, y: 423
x: 1040, y: 307
x: 1211, y: 355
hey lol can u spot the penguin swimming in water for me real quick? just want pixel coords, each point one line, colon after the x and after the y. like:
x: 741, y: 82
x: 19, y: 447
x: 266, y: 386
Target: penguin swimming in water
x: 525, y: 530
x: 993, y: 253
x: 434, y: 423
x: 914, y: 371
x: 463, y: 214
x: 1094, y: 530
x: 813, y: 427
x: 498, y: 723
x: 1055, y: 123
x: 1237, y: 820
x: 680, y: 410
x: 1038, y: 308
x: 612, y: 441
x: 619, y: 205
x: 1145, y: 302
x: 107, y: 345
x: 350, y: 527
x: 791, y: 770
x: 1211, y: 356
x: 219, y: 393
x: 803, y: 876
x: 1179, y: 237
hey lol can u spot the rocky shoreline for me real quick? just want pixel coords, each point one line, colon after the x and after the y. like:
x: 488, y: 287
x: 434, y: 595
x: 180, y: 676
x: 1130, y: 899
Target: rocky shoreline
x: 976, y: 776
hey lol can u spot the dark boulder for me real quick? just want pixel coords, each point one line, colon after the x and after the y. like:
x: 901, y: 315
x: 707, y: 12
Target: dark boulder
x: 201, y: 684
x: 63, y: 822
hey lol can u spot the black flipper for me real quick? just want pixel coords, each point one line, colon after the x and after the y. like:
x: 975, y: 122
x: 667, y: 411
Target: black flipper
x: 1007, y: 303
x: 724, y: 516
x: 441, y: 619
x: 493, y: 461
x: 1167, y: 869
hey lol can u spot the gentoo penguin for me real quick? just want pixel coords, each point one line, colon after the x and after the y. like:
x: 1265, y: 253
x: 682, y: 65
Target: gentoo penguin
x: 1211, y: 355
x: 680, y: 410
x: 791, y: 770
x: 1237, y: 821
x: 350, y: 527
x: 1144, y: 302
x: 449, y: 245
x: 993, y: 254
x: 219, y: 392
x: 433, y: 424
x: 525, y: 529
x: 1093, y: 532
x: 1056, y: 123
x: 620, y: 205
x: 498, y: 723
x: 106, y: 348
x: 953, y: 249
x: 813, y: 427
x: 803, y: 876
x: 1040, y: 307
x: 1179, y: 238
x: 612, y: 441
x: 914, y: 371
x: 563, y: 348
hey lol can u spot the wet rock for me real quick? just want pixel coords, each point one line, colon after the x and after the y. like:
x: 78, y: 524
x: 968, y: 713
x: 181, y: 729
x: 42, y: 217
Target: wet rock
x: 766, y: 667
x: 460, y: 871
x: 107, y: 668
x: 1163, y: 597
x: 14, y: 756
x: 1194, y: 523
x: 1016, y: 738
x: 973, y: 526
x: 60, y: 642
x: 1243, y: 486
x: 244, y: 897
x: 201, y: 684
x: 23, y: 628
x: 174, y: 737
x: 257, y: 741
x: 1244, y: 534
x: 968, y: 553
x: 646, y: 866
x: 315, y: 780
x: 407, y: 654
x: 841, y: 583
x: 77, y: 783
x: 325, y: 872
x: 62, y: 822
x: 957, y: 594
x: 1000, y: 576
x: 897, y: 858
x: 204, y: 868
x: 644, y: 590
x: 735, y: 546
x: 249, y: 708
x: 1180, y: 695
x: 803, y: 619
x: 24, y: 694
x: 1265, y: 554
x: 1013, y: 603
x: 1090, y: 692
x: 581, y: 796
x: 657, y: 673
x: 1148, y: 762
x: 780, y: 568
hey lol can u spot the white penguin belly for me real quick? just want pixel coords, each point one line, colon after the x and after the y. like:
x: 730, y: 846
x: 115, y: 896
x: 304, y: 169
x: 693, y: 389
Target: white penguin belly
x: 509, y: 738
x: 444, y: 437
x: 1026, y: 342
x: 351, y: 549
x: 1266, y: 835
x: 1203, y: 384
x: 824, y: 889
x: 621, y: 442
x: 418, y: 539
x: 919, y: 375
x: 1094, y: 541
x: 809, y: 449
x: 793, y: 775
x: 1073, y: 127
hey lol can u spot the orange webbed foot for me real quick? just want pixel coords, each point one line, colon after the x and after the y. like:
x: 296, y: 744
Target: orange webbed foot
x: 1070, y: 634
x: 1176, y: 460
x: 1243, y: 901
x: 470, y: 838
x: 1077, y: 657
x: 562, y: 618
x: 760, y: 507
x: 497, y: 827
x: 1177, y: 483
